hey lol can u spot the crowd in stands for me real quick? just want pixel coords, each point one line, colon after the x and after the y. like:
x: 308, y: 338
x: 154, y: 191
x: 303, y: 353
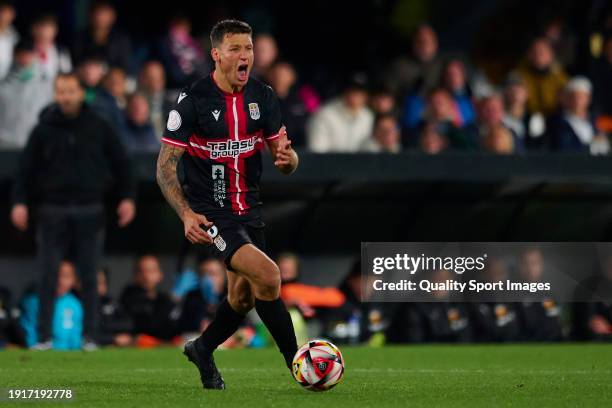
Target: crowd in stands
x: 144, y: 315
x: 428, y: 100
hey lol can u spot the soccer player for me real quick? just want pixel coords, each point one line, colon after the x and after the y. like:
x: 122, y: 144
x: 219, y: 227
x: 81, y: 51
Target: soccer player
x: 221, y: 122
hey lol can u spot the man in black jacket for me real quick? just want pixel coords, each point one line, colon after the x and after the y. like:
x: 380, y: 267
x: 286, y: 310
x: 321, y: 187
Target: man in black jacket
x: 71, y: 158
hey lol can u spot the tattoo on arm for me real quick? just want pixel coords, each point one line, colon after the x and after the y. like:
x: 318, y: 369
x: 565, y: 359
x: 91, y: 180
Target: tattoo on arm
x: 167, y: 178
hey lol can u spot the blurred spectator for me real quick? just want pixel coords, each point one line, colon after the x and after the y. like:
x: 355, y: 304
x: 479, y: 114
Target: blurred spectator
x: 8, y: 36
x: 10, y: 331
x: 419, y: 72
x: 306, y: 298
x: 343, y: 124
x: 115, y: 83
x: 153, y: 312
x: 527, y: 127
x: 491, y: 132
x: 498, y: 140
x: 266, y: 53
x: 68, y: 317
x: 437, y: 321
x: 494, y: 320
x: 601, y: 75
x: 67, y: 188
x: 574, y: 129
x: 442, y: 113
x: 540, y: 319
x: 181, y: 55
x: 51, y: 57
x: 67, y: 314
x: 102, y: 38
x: 152, y: 84
x: 139, y: 133
x: 439, y: 107
x: 297, y: 102
x: 386, y: 137
x: 5, y: 315
x: 544, y: 77
x: 593, y: 320
x: 92, y: 72
x: 454, y: 80
x: 562, y: 41
x: 432, y: 141
x: 356, y: 321
x: 23, y: 94
x: 382, y: 101
x: 115, y: 324
x: 200, y: 304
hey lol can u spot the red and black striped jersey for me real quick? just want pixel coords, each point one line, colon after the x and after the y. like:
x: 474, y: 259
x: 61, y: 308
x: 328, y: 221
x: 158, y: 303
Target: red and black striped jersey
x: 223, y: 135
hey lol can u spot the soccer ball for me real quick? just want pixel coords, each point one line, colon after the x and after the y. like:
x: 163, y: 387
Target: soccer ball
x: 318, y: 365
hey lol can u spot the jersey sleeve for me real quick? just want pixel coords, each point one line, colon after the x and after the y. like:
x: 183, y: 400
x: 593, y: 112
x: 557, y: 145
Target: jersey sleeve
x: 182, y: 121
x: 273, y: 116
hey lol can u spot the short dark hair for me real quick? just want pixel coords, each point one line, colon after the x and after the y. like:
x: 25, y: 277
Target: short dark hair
x: 68, y: 75
x: 44, y: 18
x: 101, y: 4
x: 7, y: 4
x: 385, y: 116
x: 224, y: 27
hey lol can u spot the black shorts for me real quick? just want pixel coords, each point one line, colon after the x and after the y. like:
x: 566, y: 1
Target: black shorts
x: 235, y: 234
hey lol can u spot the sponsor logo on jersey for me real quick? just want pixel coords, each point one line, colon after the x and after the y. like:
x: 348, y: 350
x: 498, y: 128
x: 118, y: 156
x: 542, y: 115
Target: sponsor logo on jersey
x: 254, y: 110
x: 174, y: 121
x: 216, y: 114
x: 229, y: 148
x: 218, y: 176
x: 181, y: 96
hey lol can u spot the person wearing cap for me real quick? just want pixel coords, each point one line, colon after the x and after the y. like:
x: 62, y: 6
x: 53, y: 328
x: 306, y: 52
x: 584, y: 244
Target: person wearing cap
x: 344, y: 123
x: 574, y: 129
x: 23, y: 95
x: 8, y: 36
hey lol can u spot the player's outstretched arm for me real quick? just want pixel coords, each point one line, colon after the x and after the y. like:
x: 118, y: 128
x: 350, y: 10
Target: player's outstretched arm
x: 170, y: 186
x: 285, y: 158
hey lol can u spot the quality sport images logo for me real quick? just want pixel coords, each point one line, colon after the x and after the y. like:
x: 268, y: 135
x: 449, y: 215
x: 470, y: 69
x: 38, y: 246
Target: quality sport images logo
x: 229, y: 148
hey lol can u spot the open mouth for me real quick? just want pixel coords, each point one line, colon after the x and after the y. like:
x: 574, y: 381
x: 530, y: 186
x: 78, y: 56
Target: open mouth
x: 243, y: 72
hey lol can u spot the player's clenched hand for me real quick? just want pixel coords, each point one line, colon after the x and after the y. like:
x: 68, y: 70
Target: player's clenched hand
x: 284, y: 155
x: 194, y: 224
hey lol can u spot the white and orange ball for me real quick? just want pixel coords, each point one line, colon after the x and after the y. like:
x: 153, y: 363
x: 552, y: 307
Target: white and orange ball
x: 318, y: 365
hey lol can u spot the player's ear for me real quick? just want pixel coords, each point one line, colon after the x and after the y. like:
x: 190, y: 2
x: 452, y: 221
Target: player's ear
x: 214, y: 53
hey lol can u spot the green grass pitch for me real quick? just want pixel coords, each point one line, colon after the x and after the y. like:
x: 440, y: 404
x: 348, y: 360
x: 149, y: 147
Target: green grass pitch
x: 576, y: 375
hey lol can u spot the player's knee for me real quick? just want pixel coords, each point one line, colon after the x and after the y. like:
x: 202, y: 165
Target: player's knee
x: 268, y: 282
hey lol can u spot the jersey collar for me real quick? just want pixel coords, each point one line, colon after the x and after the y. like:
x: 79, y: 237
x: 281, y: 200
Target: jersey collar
x: 212, y: 77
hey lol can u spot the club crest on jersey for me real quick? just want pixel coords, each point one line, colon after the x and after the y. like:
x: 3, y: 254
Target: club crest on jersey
x: 254, y: 110
x: 174, y: 121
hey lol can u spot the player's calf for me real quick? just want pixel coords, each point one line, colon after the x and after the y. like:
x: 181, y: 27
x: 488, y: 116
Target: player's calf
x: 242, y: 301
x: 264, y: 276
